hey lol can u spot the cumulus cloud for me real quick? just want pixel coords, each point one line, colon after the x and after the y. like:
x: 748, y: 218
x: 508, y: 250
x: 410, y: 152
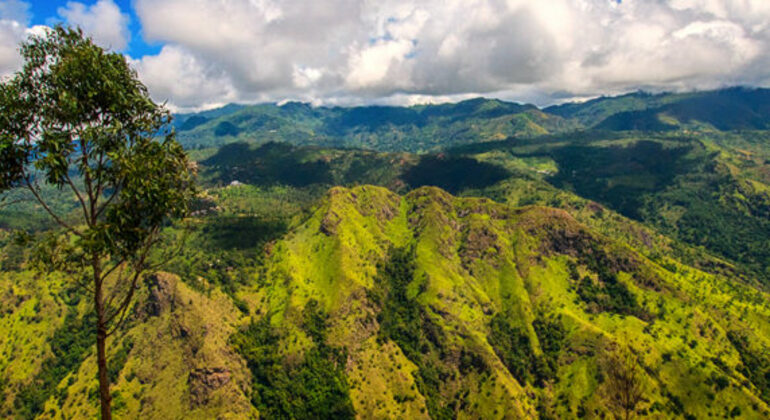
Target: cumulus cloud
x: 14, y: 21
x: 398, y: 51
x: 103, y: 20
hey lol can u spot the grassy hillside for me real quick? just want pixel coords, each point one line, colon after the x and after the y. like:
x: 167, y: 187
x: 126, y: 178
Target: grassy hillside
x: 450, y: 306
x: 708, y: 190
x: 379, y: 305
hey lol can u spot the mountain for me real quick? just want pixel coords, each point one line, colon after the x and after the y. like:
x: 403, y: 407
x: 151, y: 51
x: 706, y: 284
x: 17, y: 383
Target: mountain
x: 380, y: 305
x: 727, y: 109
x: 431, y: 128
x: 382, y: 128
x: 474, y: 260
x: 709, y: 190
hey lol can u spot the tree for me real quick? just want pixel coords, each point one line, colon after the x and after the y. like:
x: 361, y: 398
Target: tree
x: 624, y: 379
x: 77, y: 117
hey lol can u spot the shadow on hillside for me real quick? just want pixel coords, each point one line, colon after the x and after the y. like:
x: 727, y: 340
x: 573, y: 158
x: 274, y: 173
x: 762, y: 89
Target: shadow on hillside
x: 269, y: 164
x: 617, y: 176
x: 453, y: 174
x: 241, y: 233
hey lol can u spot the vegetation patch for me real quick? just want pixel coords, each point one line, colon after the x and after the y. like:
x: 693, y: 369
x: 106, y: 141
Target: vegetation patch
x: 403, y: 320
x: 316, y: 387
x: 453, y: 174
x: 514, y: 348
x: 70, y: 345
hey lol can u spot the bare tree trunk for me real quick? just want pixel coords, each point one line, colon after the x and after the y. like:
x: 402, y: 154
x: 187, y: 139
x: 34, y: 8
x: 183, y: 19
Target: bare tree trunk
x: 101, y: 341
x: 104, y: 381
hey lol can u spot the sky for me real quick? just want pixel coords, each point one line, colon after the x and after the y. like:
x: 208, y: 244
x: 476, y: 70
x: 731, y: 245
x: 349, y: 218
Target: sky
x: 199, y: 54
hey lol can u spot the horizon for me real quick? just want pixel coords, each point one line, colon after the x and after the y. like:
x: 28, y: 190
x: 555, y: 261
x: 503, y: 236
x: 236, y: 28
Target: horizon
x: 283, y: 102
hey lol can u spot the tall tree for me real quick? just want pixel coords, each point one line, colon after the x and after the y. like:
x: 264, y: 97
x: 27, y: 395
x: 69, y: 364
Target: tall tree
x: 76, y: 116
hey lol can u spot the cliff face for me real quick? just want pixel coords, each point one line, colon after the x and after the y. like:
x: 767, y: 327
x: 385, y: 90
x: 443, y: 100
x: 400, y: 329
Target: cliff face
x: 415, y: 306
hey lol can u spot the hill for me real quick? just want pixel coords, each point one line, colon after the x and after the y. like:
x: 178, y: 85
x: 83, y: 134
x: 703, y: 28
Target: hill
x: 383, y: 128
x: 431, y: 128
x: 380, y: 305
x: 727, y: 109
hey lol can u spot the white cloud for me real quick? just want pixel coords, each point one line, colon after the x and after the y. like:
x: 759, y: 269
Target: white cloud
x: 14, y: 21
x: 194, y: 83
x: 348, y: 51
x: 103, y: 20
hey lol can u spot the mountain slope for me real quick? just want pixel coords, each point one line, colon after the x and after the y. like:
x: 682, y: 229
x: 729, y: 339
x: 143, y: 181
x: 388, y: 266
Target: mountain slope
x: 725, y: 109
x: 172, y: 359
x: 428, y: 293
x: 415, y: 306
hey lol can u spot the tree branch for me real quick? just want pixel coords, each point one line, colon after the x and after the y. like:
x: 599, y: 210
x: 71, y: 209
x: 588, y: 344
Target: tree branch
x: 48, y: 209
x: 99, y: 185
x: 109, y: 200
x: 86, y: 215
x: 138, y: 268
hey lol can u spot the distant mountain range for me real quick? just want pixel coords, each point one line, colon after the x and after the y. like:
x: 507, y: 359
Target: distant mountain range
x: 433, y: 127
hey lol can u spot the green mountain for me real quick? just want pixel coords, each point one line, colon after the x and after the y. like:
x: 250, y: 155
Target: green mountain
x: 708, y: 190
x: 726, y: 109
x: 427, y: 128
x: 383, y: 128
x: 379, y: 305
x: 474, y: 260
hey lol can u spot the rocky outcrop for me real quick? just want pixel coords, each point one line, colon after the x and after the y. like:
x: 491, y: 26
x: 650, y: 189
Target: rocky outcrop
x: 161, y: 289
x: 203, y: 381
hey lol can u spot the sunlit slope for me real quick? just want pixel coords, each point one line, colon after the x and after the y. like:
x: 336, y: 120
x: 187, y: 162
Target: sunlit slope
x: 376, y: 305
x: 462, y: 307
x: 172, y: 360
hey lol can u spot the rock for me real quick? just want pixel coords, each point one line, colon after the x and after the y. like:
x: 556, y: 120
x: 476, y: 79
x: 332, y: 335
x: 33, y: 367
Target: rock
x: 161, y: 289
x: 204, y: 381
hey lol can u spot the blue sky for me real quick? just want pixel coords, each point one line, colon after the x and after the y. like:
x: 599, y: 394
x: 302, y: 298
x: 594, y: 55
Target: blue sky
x: 196, y: 54
x: 45, y: 12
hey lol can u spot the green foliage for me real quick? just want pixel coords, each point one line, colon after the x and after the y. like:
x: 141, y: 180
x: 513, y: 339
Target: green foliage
x: 274, y: 164
x: 513, y: 346
x: 118, y: 360
x: 755, y: 362
x: 607, y: 294
x: 70, y: 344
x: 75, y: 108
x: 453, y: 174
x: 551, y: 335
x: 315, y: 388
x: 514, y: 349
x: 403, y: 320
x: 620, y: 176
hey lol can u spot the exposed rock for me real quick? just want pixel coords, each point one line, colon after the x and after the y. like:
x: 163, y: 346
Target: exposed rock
x: 204, y: 381
x: 329, y: 223
x: 161, y: 296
